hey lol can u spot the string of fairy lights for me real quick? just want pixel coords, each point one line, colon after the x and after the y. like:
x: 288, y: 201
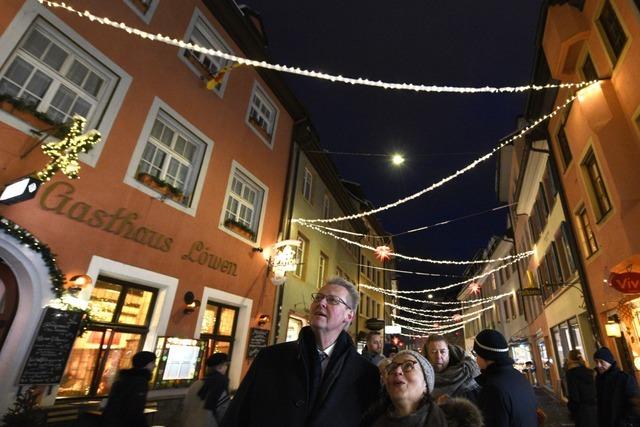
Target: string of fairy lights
x: 453, y: 317
x: 360, y: 81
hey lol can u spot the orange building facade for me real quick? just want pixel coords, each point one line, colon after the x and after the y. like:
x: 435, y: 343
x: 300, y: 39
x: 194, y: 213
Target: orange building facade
x: 597, y: 146
x: 183, y: 188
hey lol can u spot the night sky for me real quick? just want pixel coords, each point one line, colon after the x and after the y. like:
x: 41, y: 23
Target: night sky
x: 461, y: 43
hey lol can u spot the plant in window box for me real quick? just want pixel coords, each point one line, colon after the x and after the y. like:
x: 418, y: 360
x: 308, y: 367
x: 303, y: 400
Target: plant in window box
x: 25, y: 411
x: 28, y: 113
x: 259, y: 127
x: 240, y: 228
x: 161, y: 186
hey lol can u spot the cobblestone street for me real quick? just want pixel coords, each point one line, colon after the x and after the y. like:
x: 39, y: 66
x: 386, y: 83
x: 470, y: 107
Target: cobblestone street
x: 556, y: 410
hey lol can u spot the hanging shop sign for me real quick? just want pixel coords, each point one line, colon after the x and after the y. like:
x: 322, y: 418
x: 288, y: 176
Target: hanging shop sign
x: 530, y: 292
x: 627, y: 282
x: 285, y: 257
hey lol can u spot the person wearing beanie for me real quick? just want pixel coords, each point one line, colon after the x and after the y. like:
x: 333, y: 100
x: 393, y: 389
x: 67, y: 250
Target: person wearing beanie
x: 506, y: 398
x: 128, y: 396
x: 207, y: 399
x: 408, y: 403
x: 616, y: 391
x: 581, y: 391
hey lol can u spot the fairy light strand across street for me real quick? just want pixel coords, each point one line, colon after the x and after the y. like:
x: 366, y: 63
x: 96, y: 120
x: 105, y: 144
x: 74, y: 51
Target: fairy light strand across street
x: 450, y: 321
x: 410, y: 258
x: 443, y: 330
x: 302, y: 72
x: 443, y: 181
x: 418, y: 312
x: 463, y: 304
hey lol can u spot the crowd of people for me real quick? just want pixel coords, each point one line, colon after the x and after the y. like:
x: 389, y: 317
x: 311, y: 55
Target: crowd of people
x: 321, y: 380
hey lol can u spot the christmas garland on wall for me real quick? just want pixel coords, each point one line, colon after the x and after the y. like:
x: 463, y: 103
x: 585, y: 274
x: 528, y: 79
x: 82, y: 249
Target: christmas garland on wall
x: 29, y: 240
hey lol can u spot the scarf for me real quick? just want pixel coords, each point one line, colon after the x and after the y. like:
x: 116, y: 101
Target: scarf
x: 459, y: 375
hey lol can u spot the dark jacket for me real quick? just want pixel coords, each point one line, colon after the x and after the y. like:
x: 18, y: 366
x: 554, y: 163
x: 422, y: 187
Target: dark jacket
x: 506, y: 398
x: 461, y: 412
x: 428, y: 415
x: 284, y: 387
x: 581, y: 390
x: 125, y: 406
x: 616, y: 392
x: 215, y: 384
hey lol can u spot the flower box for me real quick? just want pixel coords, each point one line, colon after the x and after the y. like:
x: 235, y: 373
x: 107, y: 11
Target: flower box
x: 240, y: 229
x: 266, y: 135
x: 161, y: 187
x: 28, y: 114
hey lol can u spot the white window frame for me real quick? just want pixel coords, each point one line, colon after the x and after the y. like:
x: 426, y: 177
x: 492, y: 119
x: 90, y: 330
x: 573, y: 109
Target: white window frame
x: 200, y: 22
x: 265, y: 99
x: 307, y: 184
x: 145, y: 16
x: 301, y: 255
x: 326, y: 207
x: 103, y: 122
x: 238, y: 168
x: 323, y: 263
x: 159, y: 107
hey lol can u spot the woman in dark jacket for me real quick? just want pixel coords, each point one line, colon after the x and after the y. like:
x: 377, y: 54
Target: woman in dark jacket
x: 581, y: 390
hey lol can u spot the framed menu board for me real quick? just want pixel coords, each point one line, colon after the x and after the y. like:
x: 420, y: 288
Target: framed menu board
x: 258, y: 339
x: 51, y: 347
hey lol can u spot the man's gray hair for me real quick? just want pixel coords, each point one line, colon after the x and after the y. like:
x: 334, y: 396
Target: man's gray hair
x: 354, y: 296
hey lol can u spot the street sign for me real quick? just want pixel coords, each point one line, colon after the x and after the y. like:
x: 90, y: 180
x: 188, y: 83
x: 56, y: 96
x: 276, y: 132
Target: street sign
x: 530, y: 292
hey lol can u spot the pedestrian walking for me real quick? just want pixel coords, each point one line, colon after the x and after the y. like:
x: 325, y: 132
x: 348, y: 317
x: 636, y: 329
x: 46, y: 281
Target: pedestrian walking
x: 409, y: 383
x: 506, y: 398
x: 581, y: 391
x: 319, y: 380
x: 616, y: 391
x: 207, y: 399
x: 128, y: 396
x: 373, y: 350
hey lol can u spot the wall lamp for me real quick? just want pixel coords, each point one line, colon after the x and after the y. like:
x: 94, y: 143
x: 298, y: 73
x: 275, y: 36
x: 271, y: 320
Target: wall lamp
x: 263, y: 319
x: 191, y: 303
x: 78, y: 283
x: 612, y: 327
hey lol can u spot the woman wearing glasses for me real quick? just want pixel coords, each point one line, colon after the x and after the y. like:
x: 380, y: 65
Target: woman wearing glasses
x: 409, y: 382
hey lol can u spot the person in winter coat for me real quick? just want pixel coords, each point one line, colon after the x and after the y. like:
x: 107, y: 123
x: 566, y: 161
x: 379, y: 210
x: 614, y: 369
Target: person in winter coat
x: 581, y: 391
x: 506, y: 398
x: 207, y: 398
x: 616, y: 392
x: 128, y: 396
x: 461, y: 412
x: 409, y: 383
x: 318, y: 381
x: 373, y: 351
x: 455, y: 369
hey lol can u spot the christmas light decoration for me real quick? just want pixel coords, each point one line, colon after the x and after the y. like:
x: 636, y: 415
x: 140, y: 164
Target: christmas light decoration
x: 383, y: 253
x: 437, y: 330
x: 475, y: 288
x: 397, y: 159
x: 461, y: 305
x: 64, y: 153
x: 29, y: 240
x: 439, y: 323
x: 418, y: 273
x: 307, y: 73
x: 443, y: 181
x: 411, y: 258
x: 426, y: 313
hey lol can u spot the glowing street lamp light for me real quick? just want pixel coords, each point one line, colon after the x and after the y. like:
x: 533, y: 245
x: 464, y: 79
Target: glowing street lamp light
x: 397, y: 159
x: 20, y: 190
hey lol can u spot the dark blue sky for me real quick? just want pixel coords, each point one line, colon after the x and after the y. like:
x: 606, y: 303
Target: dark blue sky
x: 462, y: 43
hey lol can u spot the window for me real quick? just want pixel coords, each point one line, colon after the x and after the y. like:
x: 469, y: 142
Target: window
x: 56, y: 77
x: 219, y: 328
x: 587, y: 238
x: 322, y: 270
x: 121, y: 313
x: 612, y: 32
x: 262, y: 115
x: 143, y: 8
x: 596, y: 184
x: 245, y: 199
x: 588, y: 69
x: 171, y: 160
x: 301, y: 255
x: 567, y: 263
x: 307, y: 185
x: 563, y: 143
x: 206, y: 67
x: 361, y: 309
x: 326, y: 207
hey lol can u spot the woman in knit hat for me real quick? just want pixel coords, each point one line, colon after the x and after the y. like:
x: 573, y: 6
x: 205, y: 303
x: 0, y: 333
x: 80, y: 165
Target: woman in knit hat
x: 409, y: 382
x: 506, y: 397
x: 581, y: 391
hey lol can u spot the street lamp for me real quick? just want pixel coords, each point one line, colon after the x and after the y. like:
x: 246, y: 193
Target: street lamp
x: 397, y: 159
x: 20, y: 190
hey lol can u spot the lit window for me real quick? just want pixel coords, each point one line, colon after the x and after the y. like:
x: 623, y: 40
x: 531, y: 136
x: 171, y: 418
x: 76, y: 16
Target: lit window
x: 612, y: 31
x: 262, y: 115
x: 307, y: 185
x: 244, y: 206
x: 587, y: 238
x: 207, y: 67
x: 50, y: 74
x: 301, y: 255
x: 322, y: 270
x: 596, y: 184
x: 219, y: 328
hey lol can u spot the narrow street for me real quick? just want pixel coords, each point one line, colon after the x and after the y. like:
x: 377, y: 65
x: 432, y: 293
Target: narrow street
x: 556, y: 410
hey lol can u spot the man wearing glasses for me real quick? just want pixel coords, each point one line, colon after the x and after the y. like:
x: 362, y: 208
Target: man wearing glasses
x: 319, y: 380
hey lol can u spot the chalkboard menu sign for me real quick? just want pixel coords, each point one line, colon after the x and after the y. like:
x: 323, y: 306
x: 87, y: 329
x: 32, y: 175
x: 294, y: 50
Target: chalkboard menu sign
x: 258, y: 339
x: 51, y: 347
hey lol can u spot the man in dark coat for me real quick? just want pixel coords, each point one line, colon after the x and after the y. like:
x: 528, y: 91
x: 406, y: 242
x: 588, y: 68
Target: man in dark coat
x: 616, y: 391
x: 506, y: 398
x: 125, y: 406
x: 373, y: 350
x: 318, y: 381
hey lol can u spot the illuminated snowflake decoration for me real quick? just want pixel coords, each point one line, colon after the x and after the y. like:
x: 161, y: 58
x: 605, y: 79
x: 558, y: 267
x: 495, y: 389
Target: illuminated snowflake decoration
x: 64, y: 153
x: 457, y: 317
x: 383, y: 253
x: 475, y: 288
